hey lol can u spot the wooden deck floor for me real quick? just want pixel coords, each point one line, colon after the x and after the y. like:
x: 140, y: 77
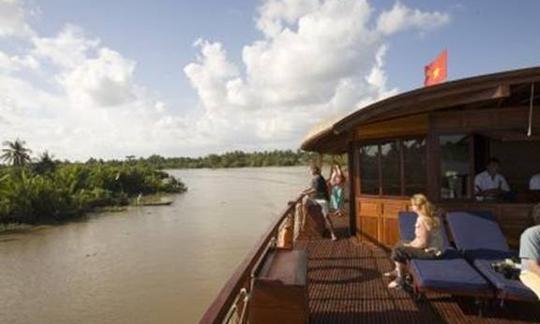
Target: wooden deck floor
x: 345, y: 285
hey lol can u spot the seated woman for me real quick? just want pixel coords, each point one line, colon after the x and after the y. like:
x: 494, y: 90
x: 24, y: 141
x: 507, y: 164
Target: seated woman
x: 427, y: 243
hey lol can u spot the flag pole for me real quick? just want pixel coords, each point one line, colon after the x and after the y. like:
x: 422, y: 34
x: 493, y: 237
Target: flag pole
x: 529, y: 130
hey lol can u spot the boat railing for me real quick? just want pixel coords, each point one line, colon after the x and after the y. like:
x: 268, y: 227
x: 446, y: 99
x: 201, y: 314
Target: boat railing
x: 230, y: 305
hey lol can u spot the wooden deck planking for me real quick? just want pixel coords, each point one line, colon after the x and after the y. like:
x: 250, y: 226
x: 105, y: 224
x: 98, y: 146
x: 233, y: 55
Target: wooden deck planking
x: 345, y: 285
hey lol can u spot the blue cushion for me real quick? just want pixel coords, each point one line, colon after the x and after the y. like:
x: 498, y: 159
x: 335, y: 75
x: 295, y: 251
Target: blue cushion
x: 507, y: 288
x: 487, y: 254
x: 407, y: 220
x: 476, y: 231
x: 449, y: 275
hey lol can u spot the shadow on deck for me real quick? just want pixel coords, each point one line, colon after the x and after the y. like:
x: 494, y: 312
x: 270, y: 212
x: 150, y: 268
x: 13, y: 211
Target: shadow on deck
x: 345, y: 285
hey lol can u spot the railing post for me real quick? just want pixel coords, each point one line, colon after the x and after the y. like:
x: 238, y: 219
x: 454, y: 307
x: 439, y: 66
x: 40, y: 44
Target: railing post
x: 286, y: 234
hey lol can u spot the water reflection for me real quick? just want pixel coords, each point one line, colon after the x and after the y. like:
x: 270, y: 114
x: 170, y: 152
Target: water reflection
x: 148, y: 264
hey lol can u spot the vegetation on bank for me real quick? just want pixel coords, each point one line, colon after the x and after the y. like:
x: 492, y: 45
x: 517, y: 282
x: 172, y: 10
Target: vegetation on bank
x: 44, y: 190
x: 235, y: 159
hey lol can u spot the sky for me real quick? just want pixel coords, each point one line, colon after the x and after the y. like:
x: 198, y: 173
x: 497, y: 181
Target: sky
x: 108, y: 79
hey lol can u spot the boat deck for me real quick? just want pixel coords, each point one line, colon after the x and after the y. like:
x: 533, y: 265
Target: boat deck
x: 345, y: 285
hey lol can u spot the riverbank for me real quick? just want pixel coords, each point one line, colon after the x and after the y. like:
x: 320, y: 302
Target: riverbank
x: 69, y: 191
x: 148, y: 200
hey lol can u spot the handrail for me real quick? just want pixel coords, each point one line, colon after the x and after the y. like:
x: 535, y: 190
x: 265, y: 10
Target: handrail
x: 219, y: 308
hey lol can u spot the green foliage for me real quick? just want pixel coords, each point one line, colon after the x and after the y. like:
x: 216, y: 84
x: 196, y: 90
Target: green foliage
x: 235, y: 159
x: 15, y: 153
x: 68, y: 190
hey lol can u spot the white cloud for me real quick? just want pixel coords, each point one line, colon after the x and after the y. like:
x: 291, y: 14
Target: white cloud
x: 314, y: 59
x: 15, y: 63
x: 106, y: 80
x: 67, y: 49
x: 210, y: 72
x: 400, y: 18
x: 13, y: 20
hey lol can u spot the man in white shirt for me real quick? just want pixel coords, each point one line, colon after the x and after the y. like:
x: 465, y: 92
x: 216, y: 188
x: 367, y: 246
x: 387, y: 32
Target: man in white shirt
x: 490, y: 183
x: 534, y: 184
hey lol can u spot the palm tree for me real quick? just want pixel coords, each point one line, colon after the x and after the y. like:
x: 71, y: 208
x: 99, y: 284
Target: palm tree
x: 45, y: 163
x: 16, y: 153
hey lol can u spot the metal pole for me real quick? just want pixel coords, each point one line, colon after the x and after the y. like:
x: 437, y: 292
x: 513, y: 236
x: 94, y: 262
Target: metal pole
x: 531, y: 100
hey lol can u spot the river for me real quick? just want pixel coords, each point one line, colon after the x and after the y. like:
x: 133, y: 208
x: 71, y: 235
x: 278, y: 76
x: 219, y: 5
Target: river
x: 160, y: 264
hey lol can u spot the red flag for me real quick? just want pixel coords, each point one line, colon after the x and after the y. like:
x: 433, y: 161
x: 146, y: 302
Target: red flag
x: 435, y: 71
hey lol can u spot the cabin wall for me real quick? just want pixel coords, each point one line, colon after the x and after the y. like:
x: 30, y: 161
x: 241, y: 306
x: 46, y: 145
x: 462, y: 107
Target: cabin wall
x: 376, y: 217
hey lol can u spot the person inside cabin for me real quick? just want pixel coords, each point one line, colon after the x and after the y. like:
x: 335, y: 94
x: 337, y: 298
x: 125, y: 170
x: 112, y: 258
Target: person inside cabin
x: 427, y: 244
x: 318, y: 194
x: 529, y: 253
x: 337, y: 180
x: 490, y: 184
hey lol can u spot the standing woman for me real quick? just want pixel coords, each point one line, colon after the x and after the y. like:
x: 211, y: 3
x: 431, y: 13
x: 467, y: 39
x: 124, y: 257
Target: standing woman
x: 427, y: 243
x: 337, y: 180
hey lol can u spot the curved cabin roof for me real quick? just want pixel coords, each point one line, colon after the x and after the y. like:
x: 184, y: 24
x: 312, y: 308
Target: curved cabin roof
x: 503, y: 89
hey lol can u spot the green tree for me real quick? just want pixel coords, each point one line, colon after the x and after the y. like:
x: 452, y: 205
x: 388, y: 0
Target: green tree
x: 16, y: 153
x: 45, y: 163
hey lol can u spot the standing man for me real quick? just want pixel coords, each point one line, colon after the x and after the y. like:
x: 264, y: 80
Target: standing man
x: 318, y: 194
x: 490, y: 183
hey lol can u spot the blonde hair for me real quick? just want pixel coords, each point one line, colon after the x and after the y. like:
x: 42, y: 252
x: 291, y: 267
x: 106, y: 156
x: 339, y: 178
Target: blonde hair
x: 426, y: 208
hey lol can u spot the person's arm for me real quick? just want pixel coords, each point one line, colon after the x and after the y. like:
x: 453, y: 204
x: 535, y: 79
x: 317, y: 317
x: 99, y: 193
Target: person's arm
x: 532, y: 266
x: 477, y: 187
x: 504, y: 185
x: 308, y: 191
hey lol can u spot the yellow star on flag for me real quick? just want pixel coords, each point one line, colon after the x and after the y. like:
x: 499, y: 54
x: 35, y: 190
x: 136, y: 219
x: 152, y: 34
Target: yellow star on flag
x: 436, y: 72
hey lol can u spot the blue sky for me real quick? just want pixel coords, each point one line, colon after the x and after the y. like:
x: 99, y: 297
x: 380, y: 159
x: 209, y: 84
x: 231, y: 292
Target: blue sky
x: 113, y: 78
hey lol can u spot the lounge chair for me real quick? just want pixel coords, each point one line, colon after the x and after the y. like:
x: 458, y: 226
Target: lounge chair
x: 450, y: 274
x: 478, y: 236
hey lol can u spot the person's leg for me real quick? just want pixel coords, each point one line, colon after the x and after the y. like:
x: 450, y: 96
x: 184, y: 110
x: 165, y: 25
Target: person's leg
x: 326, y: 216
x: 340, y: 199
x: 400, y: 255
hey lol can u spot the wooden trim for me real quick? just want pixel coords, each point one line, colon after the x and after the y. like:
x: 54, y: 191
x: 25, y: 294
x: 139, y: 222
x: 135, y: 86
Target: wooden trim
x: 222, y: 303
x: 379, y: 168
x: 401, y: 166
x: 352, y: 193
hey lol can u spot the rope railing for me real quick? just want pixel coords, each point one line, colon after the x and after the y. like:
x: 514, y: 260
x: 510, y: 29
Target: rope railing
x: 230, y: 305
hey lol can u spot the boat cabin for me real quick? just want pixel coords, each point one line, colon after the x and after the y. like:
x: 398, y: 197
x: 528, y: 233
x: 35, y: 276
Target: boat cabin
x: 435, y: 140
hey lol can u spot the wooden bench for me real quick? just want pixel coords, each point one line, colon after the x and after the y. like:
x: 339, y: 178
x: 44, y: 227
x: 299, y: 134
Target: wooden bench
x: 279, y: 292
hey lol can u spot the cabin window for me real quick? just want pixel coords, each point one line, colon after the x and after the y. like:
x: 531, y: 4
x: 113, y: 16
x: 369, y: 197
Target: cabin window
x: 455, y: 166
x: 391, y: 168
x: 414, y: 166
x: 369, y: 169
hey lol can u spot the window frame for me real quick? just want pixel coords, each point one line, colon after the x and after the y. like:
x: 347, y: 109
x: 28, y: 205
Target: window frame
x: 379, y: 142
x: 438, y: 160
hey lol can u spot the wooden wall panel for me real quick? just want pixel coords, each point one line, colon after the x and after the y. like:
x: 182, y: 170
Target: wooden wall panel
x: 369, y: 226
x: 485, y: 119
x: 390, y: 227
x: 412, y: 125
x: 391, y: 208
x: 378, y: 218
x: 369, y: 208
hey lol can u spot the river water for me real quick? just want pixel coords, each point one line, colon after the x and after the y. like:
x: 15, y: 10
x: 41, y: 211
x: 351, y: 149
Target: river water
x: 160, y: 264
